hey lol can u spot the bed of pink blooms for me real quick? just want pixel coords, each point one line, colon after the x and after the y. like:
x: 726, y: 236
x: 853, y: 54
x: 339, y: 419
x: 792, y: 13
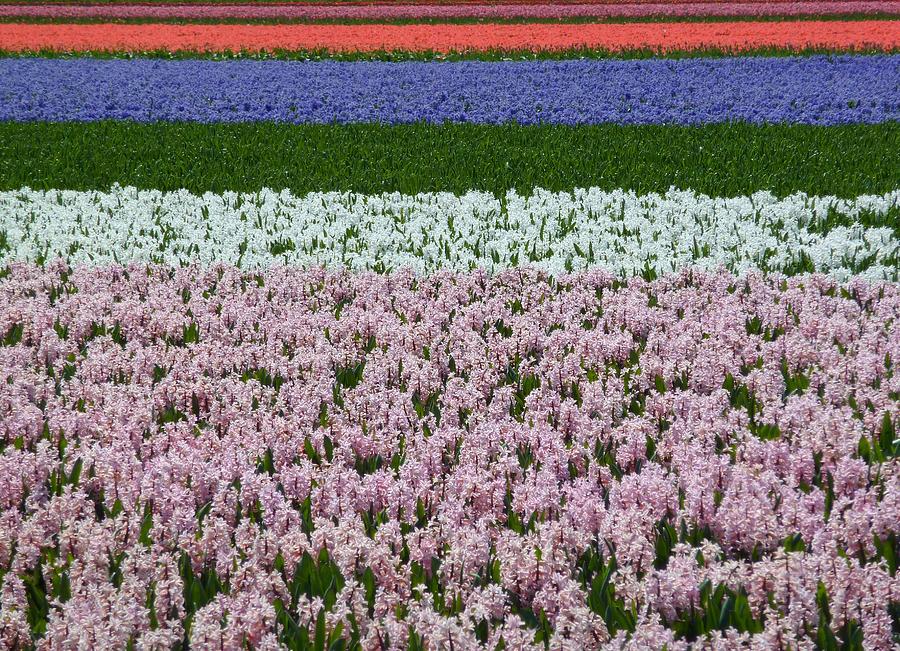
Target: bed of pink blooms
x: 226, y: 459
x: 437, y: 11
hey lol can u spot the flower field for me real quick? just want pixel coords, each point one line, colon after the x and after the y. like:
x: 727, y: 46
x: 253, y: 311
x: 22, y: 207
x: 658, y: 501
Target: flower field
x: 448, y: 37
x: 450, y: 325
x: 621, y: 232
x: 825, y: 90
x: 423, y: 10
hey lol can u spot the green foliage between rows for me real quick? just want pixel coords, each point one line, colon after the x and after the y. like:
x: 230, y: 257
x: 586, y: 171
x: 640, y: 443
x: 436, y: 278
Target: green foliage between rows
x: 724, y: 159
x: 492, y: 54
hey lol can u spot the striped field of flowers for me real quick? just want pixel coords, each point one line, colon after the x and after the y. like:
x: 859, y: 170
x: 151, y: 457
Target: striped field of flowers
x: 429, y: 325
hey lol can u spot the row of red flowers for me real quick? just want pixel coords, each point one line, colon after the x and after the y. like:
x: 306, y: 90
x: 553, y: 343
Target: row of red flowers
x: 736, y: 36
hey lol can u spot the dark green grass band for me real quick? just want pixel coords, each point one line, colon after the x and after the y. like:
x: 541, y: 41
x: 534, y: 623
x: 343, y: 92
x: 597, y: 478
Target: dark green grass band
x: 468, y: 55
x: 723, y: 160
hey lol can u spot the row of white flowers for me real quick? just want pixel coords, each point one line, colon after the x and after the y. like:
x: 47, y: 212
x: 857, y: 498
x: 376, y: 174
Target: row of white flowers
x: 619, y: 230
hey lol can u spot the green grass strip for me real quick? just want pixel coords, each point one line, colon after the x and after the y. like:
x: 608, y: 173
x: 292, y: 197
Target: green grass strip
x: 431, y: 55
x: 724, y: 159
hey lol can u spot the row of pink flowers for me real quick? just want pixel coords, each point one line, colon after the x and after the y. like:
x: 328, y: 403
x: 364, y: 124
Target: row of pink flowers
x: 445, y: 461
x: 303, y: 11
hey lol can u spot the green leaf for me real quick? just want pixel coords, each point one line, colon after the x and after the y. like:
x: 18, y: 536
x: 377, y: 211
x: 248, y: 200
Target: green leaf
x: 319, y: 643
x: 660, y: 384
